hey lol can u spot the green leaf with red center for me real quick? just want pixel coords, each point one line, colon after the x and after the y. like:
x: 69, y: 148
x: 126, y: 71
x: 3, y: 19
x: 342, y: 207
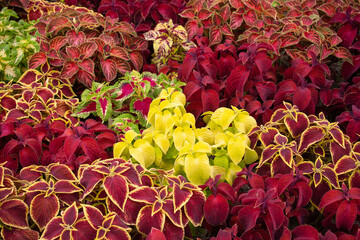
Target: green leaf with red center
x: 117, y: 190
x: 108, y: 68
x: 194, y: 208
x: 142, y: 106
x: 16, y: 234
x: 14, y: 213
x: 298, y: 125
x: 43, y: 209
x: 343, y: 53
x: 146, y: 220
x: 309, y: 137
x: 104, y: 108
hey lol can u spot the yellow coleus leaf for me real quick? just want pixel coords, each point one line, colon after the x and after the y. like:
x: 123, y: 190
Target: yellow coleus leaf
x: 163, y: 120
x: 182, y: 135
x: 143, y: 152
x: 202, y: 147
x: 217, y: 170
x: 223, y: 117
x: 231, y: 173
x: 162, y: 141
x: 121, y: 150
x: 180, y: 32
x: 236, y: 147
x: 178, y: 97
x: 197, y: 168
x: 250, y: 156
x: 244, y: 122
x: 221, y: 140
x: 205, y: 135
x: 162, y: 46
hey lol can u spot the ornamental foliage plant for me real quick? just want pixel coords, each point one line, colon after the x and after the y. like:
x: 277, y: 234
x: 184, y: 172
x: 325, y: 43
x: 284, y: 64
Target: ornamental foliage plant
x: 125, y: 104
x: 84, y: 46
x: 173, y: 141
x: 17, y: 44
x: 102, y: 200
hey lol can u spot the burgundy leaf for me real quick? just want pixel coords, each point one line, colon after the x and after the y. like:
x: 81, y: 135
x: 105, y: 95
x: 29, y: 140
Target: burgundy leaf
x: 14, y: 213
x: 346, y: 214
x: 43, y: 209
x: 117, y: 189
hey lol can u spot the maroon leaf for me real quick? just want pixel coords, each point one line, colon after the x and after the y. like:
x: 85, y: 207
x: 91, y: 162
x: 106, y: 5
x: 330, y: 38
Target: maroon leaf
x: 194, y: 208
x: 210, y: 100
x: 36, y: 60
x: 93, y: 215
x: 53, y: 229
x: 305, y: 232
x: 16, y: 234
x: 155, y: 234
x: 14, y: 213
x: 43, y: 209
x: 346, y: 214
x: 146, y: 220
x: 237, y: 79
x: 330, y: 197
x: 216, y: 209
x: 309, y: 137
x: 117, y: 189
x: 137, y: 60
x: 302, y: 97
x: 247, y: 217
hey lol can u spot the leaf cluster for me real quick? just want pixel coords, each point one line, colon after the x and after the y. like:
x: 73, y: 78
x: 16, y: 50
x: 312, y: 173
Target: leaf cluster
x: 17, y: 44
x: 172, y: 140
x: 125, y: 104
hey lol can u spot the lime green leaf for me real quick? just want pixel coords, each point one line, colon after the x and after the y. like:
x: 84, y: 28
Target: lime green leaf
x: 222, y: 161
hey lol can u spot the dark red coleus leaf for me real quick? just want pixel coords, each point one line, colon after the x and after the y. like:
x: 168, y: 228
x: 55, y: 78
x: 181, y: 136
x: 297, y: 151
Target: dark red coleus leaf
x: 216, y: 209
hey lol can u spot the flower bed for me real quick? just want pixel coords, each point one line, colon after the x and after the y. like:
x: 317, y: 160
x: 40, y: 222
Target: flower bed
x: 162, y: 119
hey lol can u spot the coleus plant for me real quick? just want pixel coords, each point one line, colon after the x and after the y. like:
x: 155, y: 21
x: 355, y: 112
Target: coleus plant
x: 125, y: 104
x: 172, y: 140
x: 84, y: 45
x: 296, y: 28
x: 37, y: 95
x: 17, y: 44
x: 144, y: 198
x: 170, y: 43
x: 144, y: 15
